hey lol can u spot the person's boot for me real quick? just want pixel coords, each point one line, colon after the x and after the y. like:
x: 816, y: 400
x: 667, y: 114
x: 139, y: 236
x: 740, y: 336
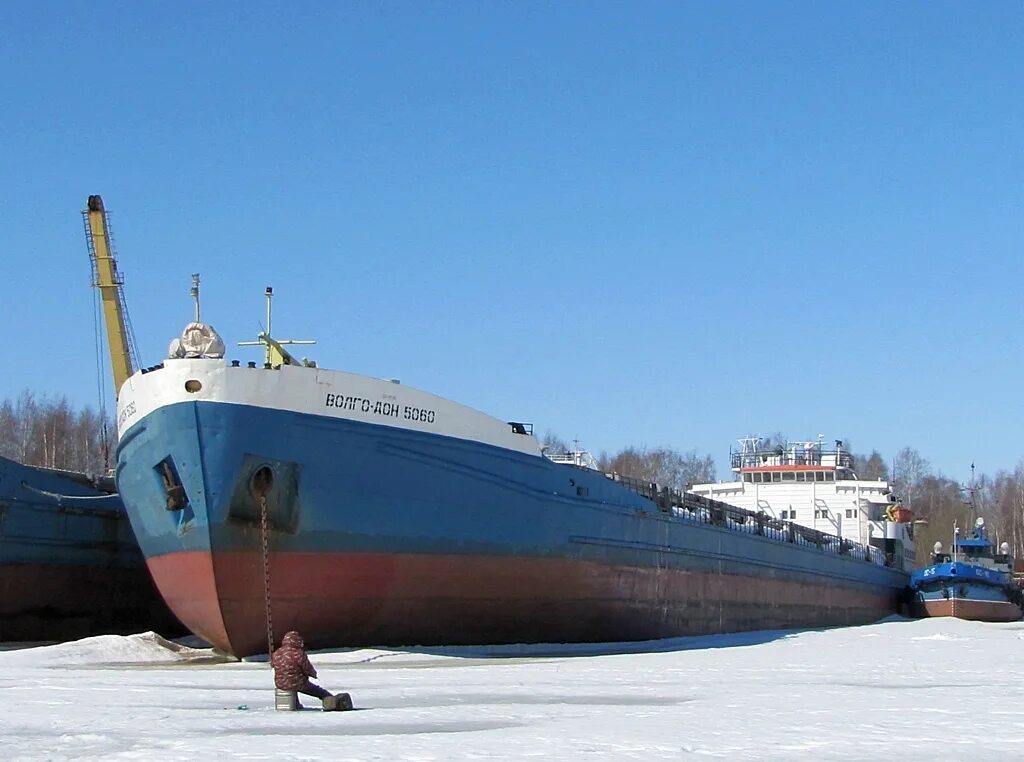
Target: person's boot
x: 340, y: 703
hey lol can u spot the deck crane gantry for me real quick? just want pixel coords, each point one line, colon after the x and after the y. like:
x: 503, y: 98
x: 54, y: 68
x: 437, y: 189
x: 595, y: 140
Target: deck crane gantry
x: 105, y: 277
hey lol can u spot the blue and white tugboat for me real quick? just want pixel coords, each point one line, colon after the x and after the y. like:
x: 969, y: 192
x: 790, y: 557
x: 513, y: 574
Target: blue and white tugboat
x: 972, y: 581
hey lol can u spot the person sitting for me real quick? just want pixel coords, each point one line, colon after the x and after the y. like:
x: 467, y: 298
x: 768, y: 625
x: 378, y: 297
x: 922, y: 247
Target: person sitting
x: 292, y: 670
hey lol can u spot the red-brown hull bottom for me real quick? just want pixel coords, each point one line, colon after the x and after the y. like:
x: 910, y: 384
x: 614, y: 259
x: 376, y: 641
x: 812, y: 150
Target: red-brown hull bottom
x: 62, y: 602
x: 982, y: 611
x: 375, y: 599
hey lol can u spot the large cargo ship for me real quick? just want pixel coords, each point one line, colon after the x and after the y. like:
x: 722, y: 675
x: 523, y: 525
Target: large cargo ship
x: 69, y: 563
x: 361, y: 511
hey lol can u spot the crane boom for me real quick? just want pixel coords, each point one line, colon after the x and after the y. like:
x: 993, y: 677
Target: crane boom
x: 121, y: 342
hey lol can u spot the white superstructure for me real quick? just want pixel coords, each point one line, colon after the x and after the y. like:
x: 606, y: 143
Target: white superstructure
x: 804, y: 483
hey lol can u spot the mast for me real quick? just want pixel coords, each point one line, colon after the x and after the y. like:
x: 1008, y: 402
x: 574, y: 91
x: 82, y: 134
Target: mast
x: 120, y: 341
x: 274, y: 352
x: 194, y: 292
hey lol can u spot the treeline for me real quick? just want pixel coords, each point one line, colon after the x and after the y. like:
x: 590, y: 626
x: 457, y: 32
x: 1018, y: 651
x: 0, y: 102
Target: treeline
x: 48, y: 431
x: 663, y: 465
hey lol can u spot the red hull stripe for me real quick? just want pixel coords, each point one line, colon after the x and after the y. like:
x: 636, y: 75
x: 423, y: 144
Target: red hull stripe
x: 982, y: 611
x: 385, y: 599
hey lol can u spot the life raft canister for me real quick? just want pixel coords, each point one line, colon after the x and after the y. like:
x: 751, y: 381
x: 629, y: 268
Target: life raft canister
x: 898, y: 514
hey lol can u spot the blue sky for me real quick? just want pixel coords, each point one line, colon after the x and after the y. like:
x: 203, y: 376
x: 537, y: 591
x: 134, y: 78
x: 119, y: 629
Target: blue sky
x: 634, y: 223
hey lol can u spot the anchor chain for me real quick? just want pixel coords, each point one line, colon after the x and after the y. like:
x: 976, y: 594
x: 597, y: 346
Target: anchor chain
x: 266, y: 575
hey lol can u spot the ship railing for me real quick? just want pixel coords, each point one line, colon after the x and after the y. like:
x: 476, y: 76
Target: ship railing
x: 579, y: 458
x: 687, y: 506
x: 773, y: 457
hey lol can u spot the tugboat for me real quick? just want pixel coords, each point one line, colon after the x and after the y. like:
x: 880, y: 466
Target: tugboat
x: 970, y: 582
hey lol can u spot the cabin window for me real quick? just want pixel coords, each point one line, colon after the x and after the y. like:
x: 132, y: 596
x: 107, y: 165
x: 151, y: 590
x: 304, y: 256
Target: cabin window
x: 849, y: 513
x: 776, y: 476
x: 821, y: 513
x: 788, y: 476
x: 830, y: 476
x: 748, y: 478
x: 819, y: 476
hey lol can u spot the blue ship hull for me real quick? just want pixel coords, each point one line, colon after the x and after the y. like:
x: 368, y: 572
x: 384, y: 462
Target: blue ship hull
x: 69, y: 563
x: 381, y: 535
x: 966, y: 591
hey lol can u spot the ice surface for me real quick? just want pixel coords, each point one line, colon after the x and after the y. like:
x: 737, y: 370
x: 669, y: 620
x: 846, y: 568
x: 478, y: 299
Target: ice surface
x: 935, y: 689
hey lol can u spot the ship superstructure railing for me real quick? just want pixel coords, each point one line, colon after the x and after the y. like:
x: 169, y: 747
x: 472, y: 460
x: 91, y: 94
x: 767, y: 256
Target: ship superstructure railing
x: 780, y: 456
x: 686, y: 506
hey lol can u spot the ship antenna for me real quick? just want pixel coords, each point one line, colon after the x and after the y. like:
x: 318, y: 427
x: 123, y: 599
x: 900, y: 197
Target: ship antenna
x: 276, y: 355
x: 195, y: 292
x: 974, y: 505
x: 970, y: 490
x: 270, y: 295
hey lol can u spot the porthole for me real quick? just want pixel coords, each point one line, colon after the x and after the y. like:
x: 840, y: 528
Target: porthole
x: 192, y: 386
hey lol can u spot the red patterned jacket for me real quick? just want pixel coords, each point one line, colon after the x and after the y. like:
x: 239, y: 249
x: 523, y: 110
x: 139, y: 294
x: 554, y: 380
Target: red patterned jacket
x: 292, y: 669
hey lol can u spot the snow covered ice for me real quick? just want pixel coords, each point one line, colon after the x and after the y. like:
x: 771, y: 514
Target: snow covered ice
x: 934, y: 689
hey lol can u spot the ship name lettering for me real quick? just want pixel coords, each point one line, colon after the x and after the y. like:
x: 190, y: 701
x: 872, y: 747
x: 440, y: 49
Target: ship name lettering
x: 362, y: 404
x: 385, y: 408
x: 418, y: 414
x: 128, y: 412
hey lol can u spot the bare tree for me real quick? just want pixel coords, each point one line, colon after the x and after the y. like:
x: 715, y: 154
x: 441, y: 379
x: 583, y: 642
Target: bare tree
x: 8, y: 431
x: 871, y: 467
x: 43, y: 431
x: 1016, y: 507
x: 661, y: 465
x: 939, y: 502
x: 697, y: 469
x: 908, y: 470
x: 553, y: 443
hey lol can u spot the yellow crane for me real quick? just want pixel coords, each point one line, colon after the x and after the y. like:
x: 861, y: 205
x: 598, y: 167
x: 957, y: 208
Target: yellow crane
x: 106, y: 278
